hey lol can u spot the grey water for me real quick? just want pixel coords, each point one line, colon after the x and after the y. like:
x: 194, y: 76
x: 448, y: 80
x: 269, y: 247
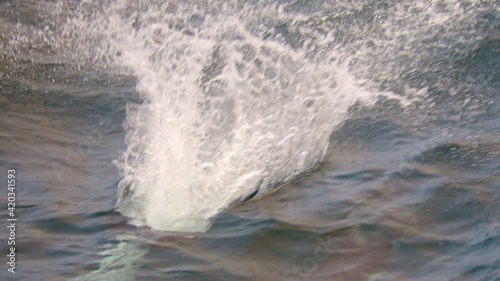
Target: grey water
x: 408, y: 187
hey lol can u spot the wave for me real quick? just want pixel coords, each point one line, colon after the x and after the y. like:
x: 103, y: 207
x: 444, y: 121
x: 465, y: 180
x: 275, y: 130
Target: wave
x: 241, y: 97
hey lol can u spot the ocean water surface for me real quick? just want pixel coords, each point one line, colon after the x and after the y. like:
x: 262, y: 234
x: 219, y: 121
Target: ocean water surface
x: 251, y: 140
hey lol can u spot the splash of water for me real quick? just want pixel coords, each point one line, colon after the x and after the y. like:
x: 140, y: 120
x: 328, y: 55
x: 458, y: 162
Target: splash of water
x: 241, y: 97
x: 226, y: 115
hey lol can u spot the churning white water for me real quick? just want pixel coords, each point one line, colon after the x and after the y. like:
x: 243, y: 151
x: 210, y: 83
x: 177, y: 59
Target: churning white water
x: 242, y: 97
x: 226, y: 115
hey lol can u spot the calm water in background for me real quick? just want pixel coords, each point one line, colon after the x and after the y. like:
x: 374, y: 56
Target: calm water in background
x: 407, y: 193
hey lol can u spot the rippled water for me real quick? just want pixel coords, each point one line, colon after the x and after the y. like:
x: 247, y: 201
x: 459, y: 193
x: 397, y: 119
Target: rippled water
x: 149, y: 138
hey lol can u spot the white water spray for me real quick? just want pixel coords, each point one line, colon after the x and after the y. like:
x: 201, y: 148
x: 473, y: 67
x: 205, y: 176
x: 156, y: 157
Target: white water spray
x: 226, y: 115
x: 241, y: 98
